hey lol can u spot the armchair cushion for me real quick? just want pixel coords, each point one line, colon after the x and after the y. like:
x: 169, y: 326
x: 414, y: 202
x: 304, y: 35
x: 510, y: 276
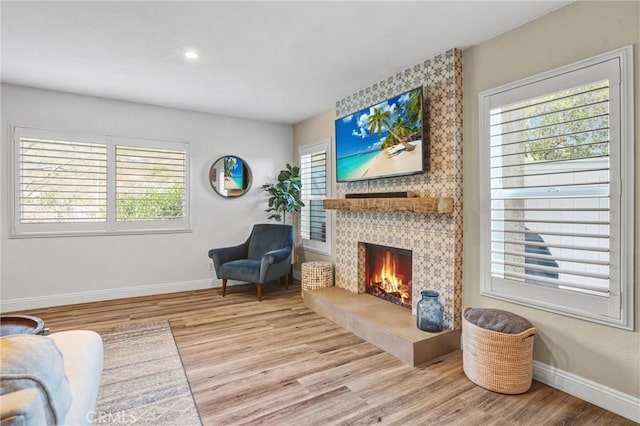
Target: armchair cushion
x: 242, y: 270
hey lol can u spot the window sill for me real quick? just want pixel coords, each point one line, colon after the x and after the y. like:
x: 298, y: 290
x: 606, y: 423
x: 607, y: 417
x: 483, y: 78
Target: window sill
x: 66, y: 234
x: 316, y: 250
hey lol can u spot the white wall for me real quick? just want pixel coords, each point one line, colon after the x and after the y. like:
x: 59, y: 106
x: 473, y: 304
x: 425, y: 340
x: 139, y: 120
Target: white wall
x: 38, y: 272
x: 599, y: 356
x: 306, y: 132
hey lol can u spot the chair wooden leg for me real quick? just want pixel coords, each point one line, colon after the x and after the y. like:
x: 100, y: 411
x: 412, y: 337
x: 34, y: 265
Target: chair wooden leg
x: 284, y: 281
x: 259, y: 292
x: 224, y: 286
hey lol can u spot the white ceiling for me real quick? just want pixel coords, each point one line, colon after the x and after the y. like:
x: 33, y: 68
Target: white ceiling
x: 273, y: 61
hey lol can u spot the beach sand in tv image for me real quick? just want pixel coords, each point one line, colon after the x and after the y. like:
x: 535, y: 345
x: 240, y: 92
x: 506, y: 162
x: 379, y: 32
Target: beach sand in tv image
x: 232, y: 183
x: 382, y: 140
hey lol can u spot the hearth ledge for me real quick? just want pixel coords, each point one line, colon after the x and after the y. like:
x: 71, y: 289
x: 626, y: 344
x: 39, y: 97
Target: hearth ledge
x: 385, y: 325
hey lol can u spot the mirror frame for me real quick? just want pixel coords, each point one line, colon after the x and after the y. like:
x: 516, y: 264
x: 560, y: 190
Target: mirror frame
x: 214, y: 172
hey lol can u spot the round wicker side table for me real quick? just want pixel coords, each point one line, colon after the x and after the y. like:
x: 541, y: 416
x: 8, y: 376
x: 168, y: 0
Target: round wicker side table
x: 316, y: 275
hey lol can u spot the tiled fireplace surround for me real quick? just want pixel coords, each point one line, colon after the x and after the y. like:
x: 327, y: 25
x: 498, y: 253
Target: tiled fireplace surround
x: 434, y: 239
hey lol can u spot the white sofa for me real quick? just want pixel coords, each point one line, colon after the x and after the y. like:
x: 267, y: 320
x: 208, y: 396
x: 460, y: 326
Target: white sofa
x: 50, y: 380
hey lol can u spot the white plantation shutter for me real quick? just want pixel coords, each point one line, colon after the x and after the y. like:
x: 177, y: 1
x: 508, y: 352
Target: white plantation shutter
x: 553, y: 207
x: 314, y: 186
x: 550, y: 191
x: 69, y: 184
x: 150, y: 184
x: 62, y: 181
x: 314, y: 224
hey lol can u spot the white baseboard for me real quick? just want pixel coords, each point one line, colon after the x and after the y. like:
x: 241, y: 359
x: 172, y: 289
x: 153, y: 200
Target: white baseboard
x: 99, y: 295
x: 610, y: 399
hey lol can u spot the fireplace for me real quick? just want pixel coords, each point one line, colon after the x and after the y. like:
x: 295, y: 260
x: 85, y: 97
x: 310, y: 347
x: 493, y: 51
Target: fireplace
x: 388, y: 273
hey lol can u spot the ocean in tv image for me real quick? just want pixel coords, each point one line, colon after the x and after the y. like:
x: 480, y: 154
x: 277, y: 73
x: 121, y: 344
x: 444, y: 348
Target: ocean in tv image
x: 233, y: 176
x: 235, y: 182
x: 382, y: 140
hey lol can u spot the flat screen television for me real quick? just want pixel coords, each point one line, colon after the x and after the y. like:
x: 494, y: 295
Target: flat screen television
x: 382, y: 140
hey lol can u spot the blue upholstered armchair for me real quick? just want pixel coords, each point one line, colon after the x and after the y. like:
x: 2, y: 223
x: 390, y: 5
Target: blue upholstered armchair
x: 264, y: 257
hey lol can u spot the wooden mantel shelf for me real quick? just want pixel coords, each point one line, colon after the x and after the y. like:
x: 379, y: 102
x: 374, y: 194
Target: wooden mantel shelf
x: 408, y: 205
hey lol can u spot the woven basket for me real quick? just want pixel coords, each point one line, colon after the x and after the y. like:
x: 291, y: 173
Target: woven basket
x: 316, y: 275
x: 497, y: 361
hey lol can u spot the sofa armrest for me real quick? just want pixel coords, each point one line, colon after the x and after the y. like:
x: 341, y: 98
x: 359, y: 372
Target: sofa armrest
x: 275, y: 256
x: 83, y: 361
x: 272, y: 262
x: 22, y: 408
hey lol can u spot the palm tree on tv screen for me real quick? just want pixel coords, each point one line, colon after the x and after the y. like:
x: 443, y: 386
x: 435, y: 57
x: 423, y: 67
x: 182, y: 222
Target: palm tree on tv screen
x: 379, y: 120
x: 229, y: 164
x: 414, y: 106
x: 403, y: 127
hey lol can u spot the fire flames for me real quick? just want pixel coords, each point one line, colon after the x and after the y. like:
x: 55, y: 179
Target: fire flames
x: 386, y: 279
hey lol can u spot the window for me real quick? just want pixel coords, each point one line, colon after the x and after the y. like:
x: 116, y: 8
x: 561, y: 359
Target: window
x: 77, y: 184
x: 149, y: 184
x: 557, y: 190
x: 314, y: 224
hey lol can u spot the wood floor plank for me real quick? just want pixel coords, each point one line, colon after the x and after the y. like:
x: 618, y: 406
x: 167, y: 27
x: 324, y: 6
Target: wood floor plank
x: 277, y: 363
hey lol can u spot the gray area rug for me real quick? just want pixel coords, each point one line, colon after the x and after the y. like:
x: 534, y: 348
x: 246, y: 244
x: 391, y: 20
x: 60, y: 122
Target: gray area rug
x: 144, y: 382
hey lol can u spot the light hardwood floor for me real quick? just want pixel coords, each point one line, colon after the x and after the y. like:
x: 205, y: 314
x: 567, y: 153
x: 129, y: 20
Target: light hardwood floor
x: 275, y: 362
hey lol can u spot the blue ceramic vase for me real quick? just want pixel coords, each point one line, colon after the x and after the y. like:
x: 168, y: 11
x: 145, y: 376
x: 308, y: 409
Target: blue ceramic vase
x: 429, y: 311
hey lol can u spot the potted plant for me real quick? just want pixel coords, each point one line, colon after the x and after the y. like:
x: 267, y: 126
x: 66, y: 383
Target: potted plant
x: 284, y: 196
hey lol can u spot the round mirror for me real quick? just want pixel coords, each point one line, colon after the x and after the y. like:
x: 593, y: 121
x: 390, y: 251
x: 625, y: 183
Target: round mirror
x: 230, y: 176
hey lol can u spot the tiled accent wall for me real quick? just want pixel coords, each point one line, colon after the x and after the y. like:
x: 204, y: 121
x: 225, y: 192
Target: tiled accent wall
x: 435, y: 239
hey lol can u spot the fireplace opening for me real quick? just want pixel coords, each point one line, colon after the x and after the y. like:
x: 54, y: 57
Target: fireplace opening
x: 388, y: 273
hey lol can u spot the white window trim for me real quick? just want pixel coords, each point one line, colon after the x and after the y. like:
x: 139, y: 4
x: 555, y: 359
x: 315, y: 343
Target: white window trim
x: 622, y: 314
x: 110, y: 227
x: 311, y: 245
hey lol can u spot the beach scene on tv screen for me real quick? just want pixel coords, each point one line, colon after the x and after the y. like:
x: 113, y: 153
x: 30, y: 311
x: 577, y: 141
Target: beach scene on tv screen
x: 232, y: 173
x: 382, y: 140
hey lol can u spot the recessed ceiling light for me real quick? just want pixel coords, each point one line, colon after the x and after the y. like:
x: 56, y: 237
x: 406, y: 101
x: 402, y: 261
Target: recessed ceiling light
x: 191, y: 54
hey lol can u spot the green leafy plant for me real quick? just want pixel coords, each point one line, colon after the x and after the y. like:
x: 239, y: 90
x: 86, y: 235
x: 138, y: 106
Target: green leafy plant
x: 284, y: 196
x: 568, y: 125
x: 152, y: 204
